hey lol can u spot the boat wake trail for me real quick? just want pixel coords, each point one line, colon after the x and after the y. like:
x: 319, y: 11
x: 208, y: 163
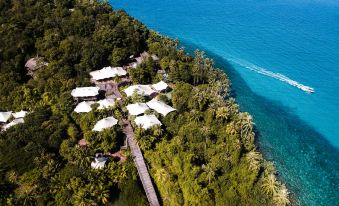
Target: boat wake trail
x: 271, y: 74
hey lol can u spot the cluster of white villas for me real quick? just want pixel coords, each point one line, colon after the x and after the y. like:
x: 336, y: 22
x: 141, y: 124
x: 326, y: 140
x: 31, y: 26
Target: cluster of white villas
x: 87, y: 94
x: 17, y: 118
x: 148, y: 121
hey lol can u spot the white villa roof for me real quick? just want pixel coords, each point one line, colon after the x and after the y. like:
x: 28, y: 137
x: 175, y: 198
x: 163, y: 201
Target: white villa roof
x: 160, y: 107
x: 137, y: 108
x: 85, y: 92
x: 84, y: 107
x: 106, y: 103
x: 144, y: 90
x: 160, y: 86
x: 14, y: 122
x: 105, y: 123
x: 107, y: 72
x: 147, y: 121
x: 4, y: 116
x: 20, y: 114
x: 99, y: 163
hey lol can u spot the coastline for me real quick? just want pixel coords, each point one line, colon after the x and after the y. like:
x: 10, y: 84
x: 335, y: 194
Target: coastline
x: 264, y: 110
x: 210, y: 151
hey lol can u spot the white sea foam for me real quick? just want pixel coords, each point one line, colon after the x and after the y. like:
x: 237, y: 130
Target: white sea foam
x: 271, y: 74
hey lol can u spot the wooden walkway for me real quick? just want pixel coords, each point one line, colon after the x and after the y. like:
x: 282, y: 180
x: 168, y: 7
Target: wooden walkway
x: 140, y: 164
x: 137, y: 156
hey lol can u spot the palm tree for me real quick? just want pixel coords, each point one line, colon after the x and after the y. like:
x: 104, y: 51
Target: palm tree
x: 210, y: 173
x: 231, y: 128
x: 281, y: 196
x: 254, y: 158
x: 222, y: 113
x: 12, y: 176
x: 161, y: 175
x: 270, y: 184
x: 206, y: 132
x: 195, y: 116
x: 102, y: 193
x: 269, y: 167
x: 157, y: 131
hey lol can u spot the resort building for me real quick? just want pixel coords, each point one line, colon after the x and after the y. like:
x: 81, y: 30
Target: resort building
x: 160, y: 107
x: 14, y: 122
x: 147, y: 121
x: 143, y: 56
x: 107, y: 73
x: 85, y: 93
x: 20, y: 114
x: 99, y: 162
x: 33, y: 65
x: 106, y: 103
x: 144, y: 90
x: 137, y: 108
x: 160, y: 86
x: 84, y: 107
x: 5, y: 116
x: 105, y: 123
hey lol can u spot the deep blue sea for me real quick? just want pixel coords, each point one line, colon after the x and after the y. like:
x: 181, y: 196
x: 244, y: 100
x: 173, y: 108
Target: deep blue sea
x: 270, y: 48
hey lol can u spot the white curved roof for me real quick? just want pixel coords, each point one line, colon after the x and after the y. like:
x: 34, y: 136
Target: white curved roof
x: 4, y: 116
x: 137, y: 108
x: 99, y: 163
x: 147, y: 121
x: 160, y: 86
x: 20, y: 114
x: 14, y: 122
x: 105, y: 123
x: 144, y: 90
x: 107, y: 72
x: 84, y: 107
x: 160, y: 107
x: 85, y: 92
x: 106, y: 103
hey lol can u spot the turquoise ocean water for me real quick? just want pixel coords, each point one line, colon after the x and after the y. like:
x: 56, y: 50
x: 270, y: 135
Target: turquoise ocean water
x: 269, y: 48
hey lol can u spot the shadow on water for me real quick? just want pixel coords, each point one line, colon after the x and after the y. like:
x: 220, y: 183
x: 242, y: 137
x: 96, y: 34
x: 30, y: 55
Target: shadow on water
x: 305, y: 160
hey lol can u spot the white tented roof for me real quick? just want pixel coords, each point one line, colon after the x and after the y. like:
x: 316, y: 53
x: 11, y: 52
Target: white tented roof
x: 106, y: 103
x: 108, y: 72
x: 160, y: 107
x: 84, y: 107
x: 105, y: 123
x: 144, y: 90
x: 4, y: 116
x: 14, y: 122
x: 160, y: 86
x: 85, y: 92
x: 20, y: 114
x: 137, y: 108
x: 147, y: 121
x: 99, y: 163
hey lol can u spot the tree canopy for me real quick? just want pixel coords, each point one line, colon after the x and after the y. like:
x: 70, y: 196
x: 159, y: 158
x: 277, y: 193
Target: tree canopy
x: 203, y: 154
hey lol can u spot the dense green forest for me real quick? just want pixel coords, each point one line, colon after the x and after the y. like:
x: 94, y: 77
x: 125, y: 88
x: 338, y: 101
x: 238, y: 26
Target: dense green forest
x: 204, y: 153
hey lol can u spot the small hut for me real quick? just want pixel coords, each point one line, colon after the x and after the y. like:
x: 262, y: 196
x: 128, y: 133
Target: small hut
x: 143, y: 56
x: 33, y: 65
x: 85, y: 93
x: 160, y: 107
x: 99, y: 161
x: 144, y: 90
x: 107, y: 73
x: 147, y: 121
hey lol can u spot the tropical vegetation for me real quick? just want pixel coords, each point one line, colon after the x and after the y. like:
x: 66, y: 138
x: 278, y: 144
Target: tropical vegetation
x: 203, y: 154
